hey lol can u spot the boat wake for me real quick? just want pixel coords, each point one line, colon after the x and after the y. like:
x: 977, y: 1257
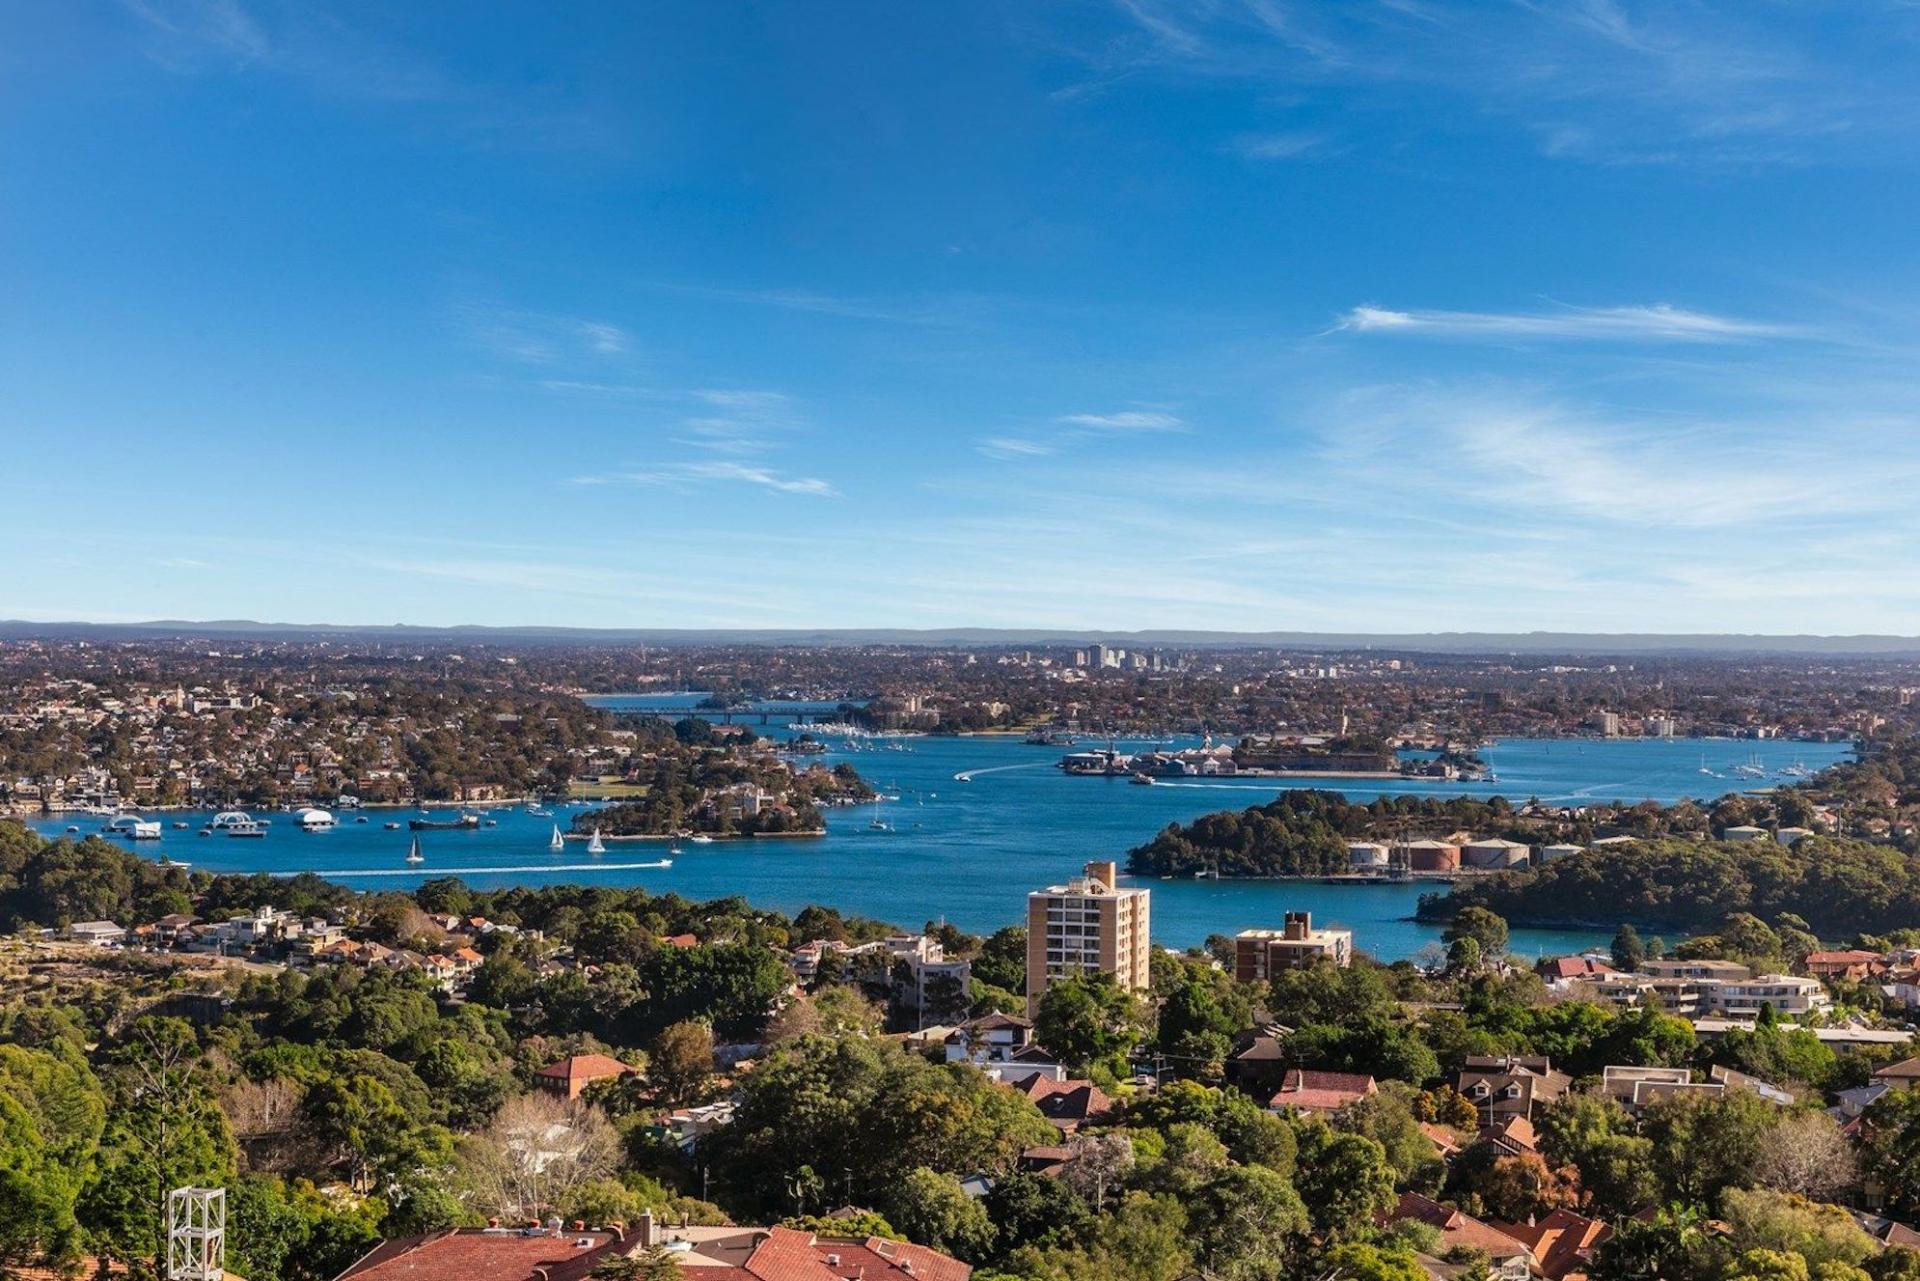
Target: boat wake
x: 968, y: 775
x: 477, y: 871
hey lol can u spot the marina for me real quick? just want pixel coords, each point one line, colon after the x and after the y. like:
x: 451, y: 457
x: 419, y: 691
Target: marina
x: 979, y: 820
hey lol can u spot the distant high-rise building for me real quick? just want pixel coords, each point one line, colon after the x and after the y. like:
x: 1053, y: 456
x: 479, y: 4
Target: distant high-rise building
x: 1088, y: 926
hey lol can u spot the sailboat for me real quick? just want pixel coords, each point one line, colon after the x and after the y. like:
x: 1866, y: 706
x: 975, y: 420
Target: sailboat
x: 596, y: 845
x: 413, y: 852
x: 558, y: 842
x: 878, y: 824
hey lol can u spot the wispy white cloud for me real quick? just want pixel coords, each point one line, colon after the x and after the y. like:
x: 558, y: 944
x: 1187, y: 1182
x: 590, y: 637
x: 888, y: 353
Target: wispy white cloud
x: 1658, y: 322
x: 689, y: 475
x: 1507, y: 448
x: 540, y: 338
x: 1127, y: 420
x: 1294, y: 145
x: 1007, y: 448
x: 1603, y: 81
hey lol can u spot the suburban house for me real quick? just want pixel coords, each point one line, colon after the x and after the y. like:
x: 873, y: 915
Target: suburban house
x: 1513, y: 1085
x: 576, y: 1072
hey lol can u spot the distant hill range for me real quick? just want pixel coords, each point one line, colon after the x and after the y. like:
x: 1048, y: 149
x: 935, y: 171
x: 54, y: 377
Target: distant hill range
x: 1532, y: 643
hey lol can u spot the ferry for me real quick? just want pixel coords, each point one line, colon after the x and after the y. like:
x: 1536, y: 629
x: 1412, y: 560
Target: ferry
x: 314, y: 820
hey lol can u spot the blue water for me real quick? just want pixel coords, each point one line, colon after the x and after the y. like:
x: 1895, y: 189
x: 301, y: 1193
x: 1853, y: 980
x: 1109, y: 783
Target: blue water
x: 970, y: 850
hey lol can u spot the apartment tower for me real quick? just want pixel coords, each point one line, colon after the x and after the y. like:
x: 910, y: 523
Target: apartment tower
x: 1089, y: 925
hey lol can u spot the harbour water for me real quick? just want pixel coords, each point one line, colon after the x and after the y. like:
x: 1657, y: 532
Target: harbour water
x: 978, y: 822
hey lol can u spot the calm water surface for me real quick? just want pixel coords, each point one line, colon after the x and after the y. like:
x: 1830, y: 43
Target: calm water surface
x: 980, y: 821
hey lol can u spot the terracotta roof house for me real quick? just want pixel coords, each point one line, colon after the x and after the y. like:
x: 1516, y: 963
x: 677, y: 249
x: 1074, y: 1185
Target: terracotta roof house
x: 1562, y: 1243
x: 576, y: 1072
x: 1852, y: 963
x: 703, y: 1253
x: 1572, y: 967
x: 1068, y: 1104
x: 1509, y: 1258
x: 1320, y: 1092
x: 483, y: 1254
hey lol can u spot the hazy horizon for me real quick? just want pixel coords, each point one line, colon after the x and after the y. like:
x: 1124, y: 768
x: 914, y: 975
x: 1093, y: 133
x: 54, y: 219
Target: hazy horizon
x: 1382, y: 317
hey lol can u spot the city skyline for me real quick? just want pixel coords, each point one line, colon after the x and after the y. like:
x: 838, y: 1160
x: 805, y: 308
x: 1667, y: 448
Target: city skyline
x: 1390, y: 317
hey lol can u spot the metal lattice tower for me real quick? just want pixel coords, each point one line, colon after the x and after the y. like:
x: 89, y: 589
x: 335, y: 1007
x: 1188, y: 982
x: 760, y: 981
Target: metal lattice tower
x: 196, y: 1234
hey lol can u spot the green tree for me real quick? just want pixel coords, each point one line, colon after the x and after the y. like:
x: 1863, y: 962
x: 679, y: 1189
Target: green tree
x: 164, y: 1130
x: 1890, y: 1149
x: 1088, y: 1019
x: 1629, y: 952
x: 933, y: 1209
x: 680, y: 1065
x: 1248, y: 1224
x: 1344, y: 1179
x: 1361, y: 1261
x: 1487, y: 930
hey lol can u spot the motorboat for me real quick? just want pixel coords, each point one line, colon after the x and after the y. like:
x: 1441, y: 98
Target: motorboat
x: 466, y: 822
x: 392, y: 827
x: 701, y: 838
x: 314, y: 820
x: 250, y: 828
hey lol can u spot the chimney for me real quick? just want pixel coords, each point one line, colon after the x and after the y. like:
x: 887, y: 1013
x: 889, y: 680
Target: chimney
x: 1107, y: 873
x: 643, y: 1229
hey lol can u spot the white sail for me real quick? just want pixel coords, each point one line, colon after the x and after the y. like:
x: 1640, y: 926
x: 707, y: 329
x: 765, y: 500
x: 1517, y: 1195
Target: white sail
x: 413, y: 852
x: 595, y: 846
x: 558, y: 842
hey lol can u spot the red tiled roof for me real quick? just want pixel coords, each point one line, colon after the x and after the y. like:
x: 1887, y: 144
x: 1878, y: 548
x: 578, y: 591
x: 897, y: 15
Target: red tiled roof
x: 1320, y: 1091
x: 681, y: 940
x: 1562, y: 1242
x: 474, y: 1254
x: 1068, y: 1104
x: 1457, y: 1229
x: 1572, y: 967
x: 584, y: 1067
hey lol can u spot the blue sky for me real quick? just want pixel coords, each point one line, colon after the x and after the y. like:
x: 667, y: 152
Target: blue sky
x: 1385, y: 315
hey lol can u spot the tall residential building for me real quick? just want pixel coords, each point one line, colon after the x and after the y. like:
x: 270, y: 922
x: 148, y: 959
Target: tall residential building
x: 1258, y: 955
x: 1089, y: 925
